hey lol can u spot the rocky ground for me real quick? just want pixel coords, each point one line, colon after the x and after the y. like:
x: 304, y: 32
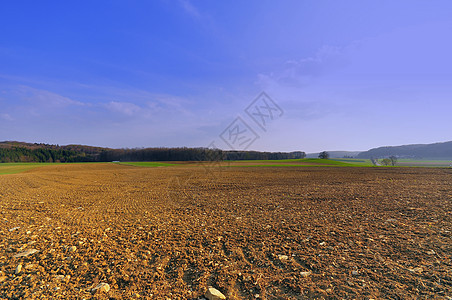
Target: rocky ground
x: 108, y: 231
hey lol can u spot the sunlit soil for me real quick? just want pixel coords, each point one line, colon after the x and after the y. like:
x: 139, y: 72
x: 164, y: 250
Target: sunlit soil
x: 252, y: 233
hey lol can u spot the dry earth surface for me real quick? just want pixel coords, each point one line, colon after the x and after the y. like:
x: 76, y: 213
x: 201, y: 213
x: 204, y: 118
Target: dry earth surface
x: 252, y: 233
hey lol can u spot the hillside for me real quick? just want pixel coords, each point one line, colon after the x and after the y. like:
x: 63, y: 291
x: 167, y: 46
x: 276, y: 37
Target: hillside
x: 417, y: 151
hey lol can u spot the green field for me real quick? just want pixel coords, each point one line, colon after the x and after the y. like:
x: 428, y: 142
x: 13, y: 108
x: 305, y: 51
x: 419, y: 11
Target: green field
x: 339, y: 162
x: 305, y: 162
x: 146, y: 164
x: 14, y: 168
x: 401, y: 162
x: 424, y: 163
x: 355, y: 161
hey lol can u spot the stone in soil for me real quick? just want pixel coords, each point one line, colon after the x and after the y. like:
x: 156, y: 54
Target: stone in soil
x: 18, y: 269
x: 101, y: 287
x: 305, y: 274
x: 214, y: 294
x: 26, y: 253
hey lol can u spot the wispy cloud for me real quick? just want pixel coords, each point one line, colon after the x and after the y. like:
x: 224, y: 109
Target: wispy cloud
x: 299, y: 72
x: 44, y: 97
x: 134, y: 101
x: 190, y: 8
x: 125, y: 108
x: 6, y: 117
x: 22, y: 102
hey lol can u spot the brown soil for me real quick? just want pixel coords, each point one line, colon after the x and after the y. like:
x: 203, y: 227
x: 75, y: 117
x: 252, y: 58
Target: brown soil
x: 265, y: 233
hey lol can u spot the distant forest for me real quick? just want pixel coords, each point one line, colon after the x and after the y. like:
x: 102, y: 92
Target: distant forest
x: 27, y: 152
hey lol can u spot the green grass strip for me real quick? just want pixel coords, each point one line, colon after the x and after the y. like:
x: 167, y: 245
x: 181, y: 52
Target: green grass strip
x: 148, y: 164
x: 14, y: 168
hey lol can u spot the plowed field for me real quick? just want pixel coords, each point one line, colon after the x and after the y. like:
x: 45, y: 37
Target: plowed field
x: 252, y: 233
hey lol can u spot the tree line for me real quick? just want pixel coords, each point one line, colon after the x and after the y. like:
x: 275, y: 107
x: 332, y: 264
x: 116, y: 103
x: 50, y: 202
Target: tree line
x: 193, y: 154
x: 23, y: 152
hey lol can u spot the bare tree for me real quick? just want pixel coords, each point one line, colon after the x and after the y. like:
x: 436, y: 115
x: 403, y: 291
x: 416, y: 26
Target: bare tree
x: 374, y: 161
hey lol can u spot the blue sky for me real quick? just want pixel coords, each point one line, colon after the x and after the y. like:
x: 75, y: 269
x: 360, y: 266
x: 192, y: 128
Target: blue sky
x: 348, y: 75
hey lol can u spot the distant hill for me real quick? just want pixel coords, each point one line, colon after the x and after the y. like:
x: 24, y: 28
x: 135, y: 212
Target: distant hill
x: 335, y: 154
x: 417, y: 151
